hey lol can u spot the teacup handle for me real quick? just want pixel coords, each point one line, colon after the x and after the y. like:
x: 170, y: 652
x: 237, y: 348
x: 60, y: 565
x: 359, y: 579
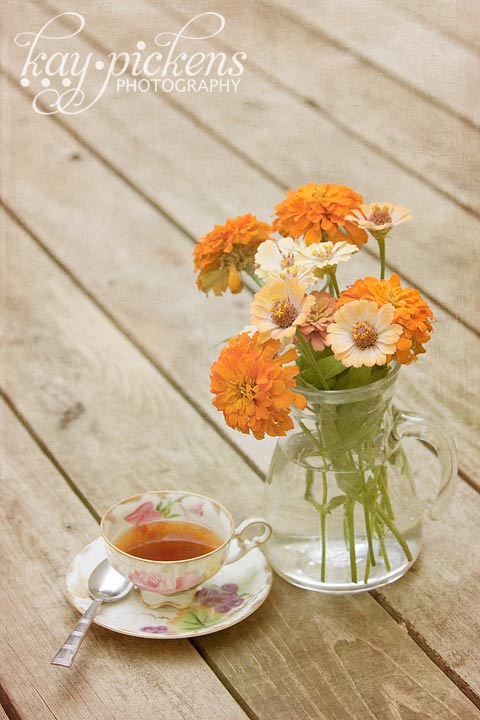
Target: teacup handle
x: 247, y: 544
x: 409, y: 424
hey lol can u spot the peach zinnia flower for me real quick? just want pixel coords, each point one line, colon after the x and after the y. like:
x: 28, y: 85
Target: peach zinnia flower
x: 363, y: 334
x: 319, y: 212
x: 279, y: 308
x: 411, y: 312
x: 227, y: 250
x: 253, y: 386
x: 380, y: 218
x: 318, y: 319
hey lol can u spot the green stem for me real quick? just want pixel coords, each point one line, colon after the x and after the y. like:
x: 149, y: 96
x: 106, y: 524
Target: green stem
x: 381, y: 246
x: 366, y: 513
x: 368, y: 530
x: 255, y: 278
x: 323, y: 526
x: 367, y: 570
x: 335, y: 284
x: 381, y: 542
x: 308, y: 353
x: 349, y: 509
x: 382, y: 483
x: 320, y: 508
x: 312, y: 437
x: 395, y: 532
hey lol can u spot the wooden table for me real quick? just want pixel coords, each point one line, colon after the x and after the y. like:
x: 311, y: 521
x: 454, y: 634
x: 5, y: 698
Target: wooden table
x: 107, y: 345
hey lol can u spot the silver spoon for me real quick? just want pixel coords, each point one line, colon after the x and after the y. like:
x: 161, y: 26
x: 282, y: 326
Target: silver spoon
x: 104, y: 585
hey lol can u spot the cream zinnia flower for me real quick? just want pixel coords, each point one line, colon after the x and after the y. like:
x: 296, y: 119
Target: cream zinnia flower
x: 319, y: 257
x: 279, y: 308
x: 283, y: 259
x: 380, y: 218
x: 363, y: 334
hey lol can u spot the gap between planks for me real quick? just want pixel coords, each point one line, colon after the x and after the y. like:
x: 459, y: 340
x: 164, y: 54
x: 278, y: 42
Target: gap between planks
x: 153, y: 203
x: 126, y: 333
x: 7, y: 709
x: 158, y: 208
x: 329, y: 116
x: 146, y: 353
x: 275, y: 82
x: 396, y: 616
x: 430, y: 19
x: 434, y: 656
x: 298, y: 20
x: 4, y: 698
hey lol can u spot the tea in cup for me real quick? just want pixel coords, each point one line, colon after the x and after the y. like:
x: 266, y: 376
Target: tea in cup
x: 169, y: 542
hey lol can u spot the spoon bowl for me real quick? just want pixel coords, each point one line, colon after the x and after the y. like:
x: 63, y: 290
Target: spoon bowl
x: 106, y: 584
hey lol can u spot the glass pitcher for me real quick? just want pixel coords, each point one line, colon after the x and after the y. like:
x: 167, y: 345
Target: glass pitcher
x: 339, y: 492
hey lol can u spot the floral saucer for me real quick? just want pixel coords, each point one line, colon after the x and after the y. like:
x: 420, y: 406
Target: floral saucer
x: 227, y: 598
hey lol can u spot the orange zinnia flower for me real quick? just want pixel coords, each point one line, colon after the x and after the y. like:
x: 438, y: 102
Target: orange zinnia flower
x: 253, y: 388
x: 411, y: 312
x: 227, y: 250
x: 319, y: 213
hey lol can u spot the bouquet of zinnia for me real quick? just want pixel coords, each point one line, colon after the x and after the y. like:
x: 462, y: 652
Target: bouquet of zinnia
x: 299, y: 314
x: 305, y: 332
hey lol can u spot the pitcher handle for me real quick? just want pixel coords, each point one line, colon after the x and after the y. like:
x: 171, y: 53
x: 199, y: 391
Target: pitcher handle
x: 409, y: 424
x: 246, y: 544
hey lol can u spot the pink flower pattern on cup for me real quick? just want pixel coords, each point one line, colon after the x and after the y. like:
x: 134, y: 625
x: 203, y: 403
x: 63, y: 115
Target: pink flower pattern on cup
x: 143, y: 514
x: 163, y: 584
x: 194, y: 510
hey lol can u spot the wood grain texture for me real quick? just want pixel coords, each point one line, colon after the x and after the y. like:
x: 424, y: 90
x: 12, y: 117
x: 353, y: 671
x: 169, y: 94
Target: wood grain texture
x: 352, y: 94
x: 330, y: 648
x: 43, y: 524
x: 458, y: 18
x: 291, y: 152
x: 417, y: 54
x: 129, y: 277
x: 301, y: 650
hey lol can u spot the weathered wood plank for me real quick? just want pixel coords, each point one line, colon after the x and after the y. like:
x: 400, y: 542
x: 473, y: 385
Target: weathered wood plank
x: 353, y: 94
x: 301, y: 655
x: 43, y: 524
x: 130, y: 278
x: 459, y: 18
x: 405, y: 48
x: 133, y: 285
x: 292, y: 152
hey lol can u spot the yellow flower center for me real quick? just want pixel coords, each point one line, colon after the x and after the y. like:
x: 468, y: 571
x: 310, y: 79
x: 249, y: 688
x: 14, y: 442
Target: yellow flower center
x: 364, y: 335
x: 247, y: 389
x: 283, y: 313
x: 288, y: 260
x: 380, y: 216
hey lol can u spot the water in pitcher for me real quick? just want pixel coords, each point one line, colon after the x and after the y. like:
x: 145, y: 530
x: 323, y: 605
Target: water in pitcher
x: 320, y: 520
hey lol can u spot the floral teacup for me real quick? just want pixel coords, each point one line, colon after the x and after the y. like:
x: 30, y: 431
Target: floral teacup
x: 174, y: 582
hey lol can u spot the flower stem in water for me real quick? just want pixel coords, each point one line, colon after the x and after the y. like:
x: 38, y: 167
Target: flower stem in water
x: 395, y: 532
x: 349, y: 508
x: 381, y: 542
x: 323, y: 525
x: 321, y: 509
x: 368, y: 530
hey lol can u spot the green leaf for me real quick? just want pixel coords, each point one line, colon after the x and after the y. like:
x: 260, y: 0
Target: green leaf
x: 354, y: 377
x: 335, y: 502
x: 330, y: 367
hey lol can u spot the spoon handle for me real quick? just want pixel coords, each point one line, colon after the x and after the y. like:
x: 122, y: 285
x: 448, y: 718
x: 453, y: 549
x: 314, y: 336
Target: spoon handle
x: 70, y: 647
